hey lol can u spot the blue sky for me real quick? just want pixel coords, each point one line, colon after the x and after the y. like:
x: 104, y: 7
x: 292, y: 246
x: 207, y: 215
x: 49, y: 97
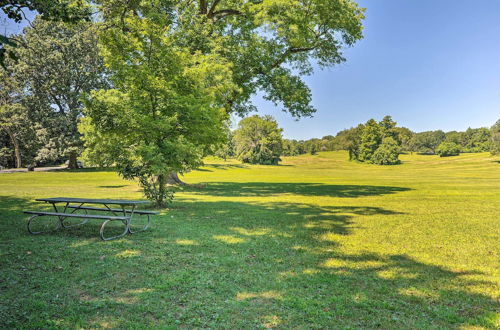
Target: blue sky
x: 430, y: 64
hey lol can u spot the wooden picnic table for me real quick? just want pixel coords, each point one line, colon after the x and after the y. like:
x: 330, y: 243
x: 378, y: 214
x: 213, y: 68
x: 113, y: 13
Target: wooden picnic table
x: 68, y: 207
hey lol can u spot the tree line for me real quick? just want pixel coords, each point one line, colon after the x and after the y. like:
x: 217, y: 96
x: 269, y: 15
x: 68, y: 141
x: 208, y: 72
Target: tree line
x: 259, y: 140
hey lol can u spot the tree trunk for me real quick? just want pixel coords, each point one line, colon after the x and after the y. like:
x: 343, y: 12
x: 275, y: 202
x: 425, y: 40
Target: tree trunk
x: 173, y: 178
x: 17, y: 149
x: 72, y: 163
x: 160, y: 200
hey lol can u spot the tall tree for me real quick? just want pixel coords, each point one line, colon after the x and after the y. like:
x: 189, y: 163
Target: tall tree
x: 58, y: 64
x: 165, y: 110
x: 268, y: 45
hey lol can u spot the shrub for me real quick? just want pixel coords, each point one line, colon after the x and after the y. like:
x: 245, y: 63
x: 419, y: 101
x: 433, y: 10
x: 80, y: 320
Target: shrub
x: 447, y: 149
x: 387, y: 153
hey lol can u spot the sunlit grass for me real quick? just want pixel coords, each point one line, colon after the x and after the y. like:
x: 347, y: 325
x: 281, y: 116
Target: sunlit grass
x: 317, y: 242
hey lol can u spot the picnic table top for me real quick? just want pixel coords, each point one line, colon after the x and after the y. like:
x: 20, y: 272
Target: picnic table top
x: 90, y: 201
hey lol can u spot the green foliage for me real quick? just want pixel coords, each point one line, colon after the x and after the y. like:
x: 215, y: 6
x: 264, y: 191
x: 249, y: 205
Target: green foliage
x: 58, y: 64
x: 258, y: 140
x: 268, y: 44
x: 495, y: 139
x: 55, y: 10
x: 228, y: 148
x: 387, y: 153
x: 165, y: 110
x: 371, y: 138
x: 20, y: 143
x: 427, y: 142
x: 446, y: 149
x: 475, y: 140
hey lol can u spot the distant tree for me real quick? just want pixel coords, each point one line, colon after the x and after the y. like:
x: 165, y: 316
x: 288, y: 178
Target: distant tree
x: 427, y: 142
x: 259, y: 140
x: 495, y: 139
x: 227, y: 149
x: 446, y: 149
x: 389, y: 128
x: 476, y: 140
x: 371, y: 138
x: 454, y: 137
x: 15, y: 122
x: 374, y: 142
x: 387, y: 153
x: 58, y: 64
x: 405, y: 138
x: 313, y: 149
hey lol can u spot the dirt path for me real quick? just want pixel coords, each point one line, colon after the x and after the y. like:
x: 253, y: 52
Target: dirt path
x: 37, y: 169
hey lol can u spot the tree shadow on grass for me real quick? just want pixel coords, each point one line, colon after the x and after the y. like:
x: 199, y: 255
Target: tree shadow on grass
x: 228, y: 264
x: 230, y: 189
x: 225, y: 166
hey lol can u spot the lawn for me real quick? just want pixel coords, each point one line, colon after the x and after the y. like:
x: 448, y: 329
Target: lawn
x: 317, y: 242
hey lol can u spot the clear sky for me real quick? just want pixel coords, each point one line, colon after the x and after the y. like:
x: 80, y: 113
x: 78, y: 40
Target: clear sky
x: 430, y: 64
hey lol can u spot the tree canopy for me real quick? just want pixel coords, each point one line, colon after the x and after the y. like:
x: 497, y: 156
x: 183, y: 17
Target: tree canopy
x: 56, y: 10
x: 267, y: 45
x: 165, y: 110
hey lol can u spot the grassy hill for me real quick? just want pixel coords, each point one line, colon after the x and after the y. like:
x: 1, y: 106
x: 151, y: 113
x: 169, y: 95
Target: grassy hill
x: 313, y: 243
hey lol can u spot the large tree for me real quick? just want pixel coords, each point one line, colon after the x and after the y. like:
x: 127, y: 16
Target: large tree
x: 58, y: 63
x: 268, y: 44
x: 165, y: 110
x: 254, y: 45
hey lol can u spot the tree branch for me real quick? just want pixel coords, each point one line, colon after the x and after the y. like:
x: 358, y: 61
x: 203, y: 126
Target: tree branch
x: 203, y: 7
x: 212, y: 8
x: 226, y: 12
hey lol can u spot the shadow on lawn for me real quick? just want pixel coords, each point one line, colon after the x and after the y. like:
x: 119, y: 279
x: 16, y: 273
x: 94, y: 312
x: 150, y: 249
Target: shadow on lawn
x: 306, y: 189
x: 227, y: 264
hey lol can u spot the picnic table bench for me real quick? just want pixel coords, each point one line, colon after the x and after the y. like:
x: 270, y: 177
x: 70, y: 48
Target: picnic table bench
x: 72, y: 205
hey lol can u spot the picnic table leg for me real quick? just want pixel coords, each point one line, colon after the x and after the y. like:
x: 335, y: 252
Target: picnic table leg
x: 61, y: 219
x: 125, y: 222
x: 130, y: 230
x: 31, y: 231
x: 72, y: 212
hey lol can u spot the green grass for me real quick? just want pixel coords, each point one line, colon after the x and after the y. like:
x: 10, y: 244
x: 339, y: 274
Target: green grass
x: 318, y: 242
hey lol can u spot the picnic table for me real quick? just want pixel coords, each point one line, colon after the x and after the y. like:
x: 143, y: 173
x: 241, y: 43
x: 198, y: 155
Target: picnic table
x: 111, y: 209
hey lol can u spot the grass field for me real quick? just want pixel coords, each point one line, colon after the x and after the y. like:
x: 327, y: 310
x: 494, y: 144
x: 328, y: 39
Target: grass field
x: 317, y: 242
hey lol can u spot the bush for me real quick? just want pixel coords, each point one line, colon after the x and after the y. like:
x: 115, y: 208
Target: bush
x: 447, y: 149
x: 387, y: 153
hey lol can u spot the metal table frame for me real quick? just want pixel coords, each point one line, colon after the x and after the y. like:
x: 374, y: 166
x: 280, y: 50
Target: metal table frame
x: 80, y: 202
